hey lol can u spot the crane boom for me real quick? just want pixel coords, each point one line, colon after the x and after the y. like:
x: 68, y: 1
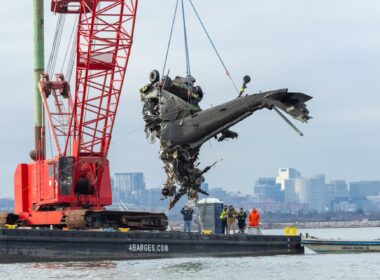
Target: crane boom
x: 103, y: 45
x: 104, y: 41
x: 72, y: 188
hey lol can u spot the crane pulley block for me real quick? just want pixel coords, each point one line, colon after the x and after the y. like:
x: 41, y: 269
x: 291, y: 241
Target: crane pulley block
x: 72, y: 6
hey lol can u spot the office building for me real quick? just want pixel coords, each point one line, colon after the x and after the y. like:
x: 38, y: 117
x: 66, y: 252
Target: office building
x: 286, y: 174
x: 129, y: 187
x: 267, y: 190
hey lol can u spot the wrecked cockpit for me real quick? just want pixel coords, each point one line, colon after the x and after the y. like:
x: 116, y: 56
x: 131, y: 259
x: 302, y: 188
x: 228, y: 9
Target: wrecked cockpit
x: 172, y: 114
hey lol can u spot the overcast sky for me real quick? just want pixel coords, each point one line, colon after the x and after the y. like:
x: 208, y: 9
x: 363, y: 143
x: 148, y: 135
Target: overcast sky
x: 329, y: 49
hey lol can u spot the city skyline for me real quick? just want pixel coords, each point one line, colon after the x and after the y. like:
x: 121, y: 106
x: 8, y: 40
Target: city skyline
x: 253, y: 179
x: 288, y: 192
x: 273, y: 175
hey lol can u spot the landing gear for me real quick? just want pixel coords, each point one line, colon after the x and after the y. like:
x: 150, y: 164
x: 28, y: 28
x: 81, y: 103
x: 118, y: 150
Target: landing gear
x: 154, y: 76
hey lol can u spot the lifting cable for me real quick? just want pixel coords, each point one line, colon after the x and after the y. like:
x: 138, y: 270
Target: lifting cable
x: 213, y: 46
x: 188, y: 71
x: 70, y: 66
x: 71, y: 47
x: 170, y: 38
x: 56, y: 44
x: 187, y: 54
x: 53, y: 58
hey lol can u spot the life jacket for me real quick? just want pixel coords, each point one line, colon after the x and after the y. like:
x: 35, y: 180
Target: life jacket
x: 254, y: 219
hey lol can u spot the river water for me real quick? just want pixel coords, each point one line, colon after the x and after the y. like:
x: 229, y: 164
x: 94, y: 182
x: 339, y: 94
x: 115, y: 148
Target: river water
x: 309, y: 266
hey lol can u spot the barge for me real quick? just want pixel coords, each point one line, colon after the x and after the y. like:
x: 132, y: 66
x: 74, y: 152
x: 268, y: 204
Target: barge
x: 43, y: 245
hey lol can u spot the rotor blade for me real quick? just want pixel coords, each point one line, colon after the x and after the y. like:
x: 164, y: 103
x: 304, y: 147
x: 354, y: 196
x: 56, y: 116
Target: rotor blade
x: 287, y: 121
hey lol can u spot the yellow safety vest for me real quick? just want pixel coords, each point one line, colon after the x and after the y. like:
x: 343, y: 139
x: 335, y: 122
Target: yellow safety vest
x: 223, y: 215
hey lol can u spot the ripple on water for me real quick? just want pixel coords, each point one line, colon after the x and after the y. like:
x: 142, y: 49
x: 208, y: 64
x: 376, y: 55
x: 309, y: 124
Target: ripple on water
x: 310, y: 266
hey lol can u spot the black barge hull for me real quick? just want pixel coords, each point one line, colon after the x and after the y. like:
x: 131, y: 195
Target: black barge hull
x: 23, y: 245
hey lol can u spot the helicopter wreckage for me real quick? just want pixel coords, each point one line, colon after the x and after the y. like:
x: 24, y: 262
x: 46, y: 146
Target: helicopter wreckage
x: 172, y: 114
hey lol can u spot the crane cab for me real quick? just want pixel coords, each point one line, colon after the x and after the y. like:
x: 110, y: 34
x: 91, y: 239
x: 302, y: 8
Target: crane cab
x: 45, y: 188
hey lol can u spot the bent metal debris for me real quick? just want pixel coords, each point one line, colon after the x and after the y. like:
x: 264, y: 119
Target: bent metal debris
x: 172, y: 115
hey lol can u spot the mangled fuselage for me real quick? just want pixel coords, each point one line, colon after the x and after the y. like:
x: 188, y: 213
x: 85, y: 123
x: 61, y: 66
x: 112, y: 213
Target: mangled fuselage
x: 172, y: 115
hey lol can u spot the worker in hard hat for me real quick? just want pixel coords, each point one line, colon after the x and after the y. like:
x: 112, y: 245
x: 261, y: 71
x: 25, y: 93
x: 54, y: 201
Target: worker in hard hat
x: 223, y: 218
x: 254, y: 218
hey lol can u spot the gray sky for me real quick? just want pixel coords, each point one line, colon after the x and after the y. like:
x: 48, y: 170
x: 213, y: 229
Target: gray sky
x: 327, y: 49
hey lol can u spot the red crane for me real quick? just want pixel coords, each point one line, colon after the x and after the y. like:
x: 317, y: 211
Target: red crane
x: 72, y: 188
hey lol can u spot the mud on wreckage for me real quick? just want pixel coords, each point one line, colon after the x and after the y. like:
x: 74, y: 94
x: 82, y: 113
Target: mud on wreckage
x: 172, y: 114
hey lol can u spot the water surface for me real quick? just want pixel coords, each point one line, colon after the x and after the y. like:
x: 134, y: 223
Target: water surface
x: 309, y: 266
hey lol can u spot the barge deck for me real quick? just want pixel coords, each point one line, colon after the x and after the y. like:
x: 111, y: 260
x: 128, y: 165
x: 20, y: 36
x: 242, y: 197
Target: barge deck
x: 26, y: 245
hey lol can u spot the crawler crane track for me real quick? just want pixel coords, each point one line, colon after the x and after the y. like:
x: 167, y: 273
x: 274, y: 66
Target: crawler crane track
x: 87, y: 219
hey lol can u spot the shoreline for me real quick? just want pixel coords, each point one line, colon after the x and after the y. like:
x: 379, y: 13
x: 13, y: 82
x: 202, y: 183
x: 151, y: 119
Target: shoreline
x: 311, y: 225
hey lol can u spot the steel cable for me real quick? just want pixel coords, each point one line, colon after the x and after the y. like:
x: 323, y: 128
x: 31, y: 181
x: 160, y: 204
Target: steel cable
x: 170, y: 38
x: 70, y: 66
x: 188, y: 71
x: 69, y: 46
x: 214, y: 47
x: 56, y: 44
